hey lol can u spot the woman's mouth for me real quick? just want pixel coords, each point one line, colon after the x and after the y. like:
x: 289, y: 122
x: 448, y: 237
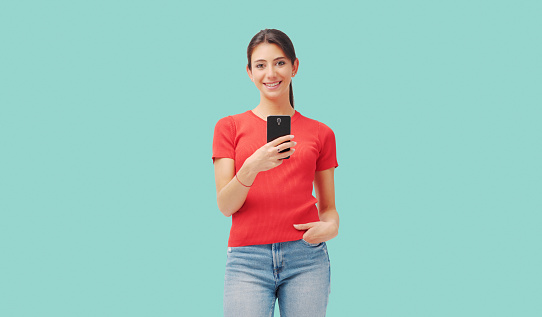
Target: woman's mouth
x: 273, y: 85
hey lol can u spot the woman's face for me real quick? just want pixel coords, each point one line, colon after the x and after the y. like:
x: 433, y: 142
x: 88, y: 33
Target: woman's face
x: 271, y: 71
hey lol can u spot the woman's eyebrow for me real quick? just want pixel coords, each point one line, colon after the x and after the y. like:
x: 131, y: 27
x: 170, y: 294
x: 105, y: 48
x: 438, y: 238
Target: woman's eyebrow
x: 263, y: 60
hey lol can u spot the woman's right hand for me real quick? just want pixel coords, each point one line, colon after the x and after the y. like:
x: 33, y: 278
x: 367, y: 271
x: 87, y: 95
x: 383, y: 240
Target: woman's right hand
x: 231, y: 193
x: 268, y: 156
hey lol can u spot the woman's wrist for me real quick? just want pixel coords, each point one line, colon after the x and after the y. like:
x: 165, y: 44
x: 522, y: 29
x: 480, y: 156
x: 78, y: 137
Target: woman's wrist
x: 246, y: 175
x: 241, y: 182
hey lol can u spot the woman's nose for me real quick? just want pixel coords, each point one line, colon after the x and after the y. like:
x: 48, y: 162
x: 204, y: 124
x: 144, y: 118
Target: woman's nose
x: 270, y: 71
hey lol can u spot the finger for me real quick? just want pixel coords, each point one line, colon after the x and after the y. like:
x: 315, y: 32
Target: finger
x: 285, y: 154
x: 281, y: 139
x: 304, y: 226
x: 285, y: 146
x: 309, y: 239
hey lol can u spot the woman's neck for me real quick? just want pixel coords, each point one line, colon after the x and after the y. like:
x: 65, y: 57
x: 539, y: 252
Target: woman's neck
x: 274, y: 108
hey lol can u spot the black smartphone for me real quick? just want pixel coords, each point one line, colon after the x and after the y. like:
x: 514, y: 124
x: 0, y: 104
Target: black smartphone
x: 278, y: 126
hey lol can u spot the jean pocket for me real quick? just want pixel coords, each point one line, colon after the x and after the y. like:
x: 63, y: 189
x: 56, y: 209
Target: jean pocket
x: 311, y: 244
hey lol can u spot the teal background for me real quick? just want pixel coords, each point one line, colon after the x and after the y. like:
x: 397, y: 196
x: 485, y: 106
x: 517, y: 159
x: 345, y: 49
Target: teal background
x: 107, y: 109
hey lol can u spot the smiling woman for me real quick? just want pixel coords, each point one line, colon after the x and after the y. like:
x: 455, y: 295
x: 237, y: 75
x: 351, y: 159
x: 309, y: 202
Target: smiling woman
x: 280, y: 63
x: 274, y: 74
x: 276, y: 248
x: 267, y: 52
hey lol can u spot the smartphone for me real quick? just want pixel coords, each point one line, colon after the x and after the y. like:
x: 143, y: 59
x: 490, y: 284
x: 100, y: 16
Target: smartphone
x: 278, y: 126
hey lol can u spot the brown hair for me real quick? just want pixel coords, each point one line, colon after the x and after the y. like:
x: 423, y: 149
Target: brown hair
x: 277, y: 37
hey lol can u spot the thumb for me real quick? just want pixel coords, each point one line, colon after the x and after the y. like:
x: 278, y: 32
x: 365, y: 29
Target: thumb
x: 304, y: 226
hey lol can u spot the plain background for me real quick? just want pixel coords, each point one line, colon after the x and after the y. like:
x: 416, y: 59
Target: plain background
x: 108, y: 204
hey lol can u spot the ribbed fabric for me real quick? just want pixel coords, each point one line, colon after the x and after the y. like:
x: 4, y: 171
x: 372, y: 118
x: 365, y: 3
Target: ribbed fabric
x: 282, y: 196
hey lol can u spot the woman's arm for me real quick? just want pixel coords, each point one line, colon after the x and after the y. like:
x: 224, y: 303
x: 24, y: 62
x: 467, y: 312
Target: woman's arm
x: 324, y: 187
x: 231, y: 193
x: 328, y: 226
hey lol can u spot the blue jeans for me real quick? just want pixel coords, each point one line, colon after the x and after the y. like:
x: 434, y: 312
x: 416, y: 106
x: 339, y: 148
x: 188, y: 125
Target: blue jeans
x: 295, y: 272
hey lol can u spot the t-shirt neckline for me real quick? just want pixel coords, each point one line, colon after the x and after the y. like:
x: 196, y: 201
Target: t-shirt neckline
x: 294, y: 117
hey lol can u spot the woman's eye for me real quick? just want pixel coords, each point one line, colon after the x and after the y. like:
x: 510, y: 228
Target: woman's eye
x: 258, y: 65
x: 281, y: 63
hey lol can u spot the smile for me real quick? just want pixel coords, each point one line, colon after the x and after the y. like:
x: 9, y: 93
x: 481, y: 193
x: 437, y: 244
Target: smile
x: 273, y: 85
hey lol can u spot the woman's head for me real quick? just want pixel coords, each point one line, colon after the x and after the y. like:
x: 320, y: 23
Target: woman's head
x: 265, y: 65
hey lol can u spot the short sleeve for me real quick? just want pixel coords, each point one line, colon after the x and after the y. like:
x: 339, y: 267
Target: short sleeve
x: 224, y: 139
x: 327, y: 157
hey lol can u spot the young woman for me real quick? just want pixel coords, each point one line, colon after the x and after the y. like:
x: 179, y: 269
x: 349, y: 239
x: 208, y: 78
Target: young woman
x: 276, y: 247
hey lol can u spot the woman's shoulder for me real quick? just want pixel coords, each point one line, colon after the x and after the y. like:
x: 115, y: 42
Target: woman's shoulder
x: 236, y: 117
x: 315, y: 123
x: 233, y: 117
x: 235, y: 122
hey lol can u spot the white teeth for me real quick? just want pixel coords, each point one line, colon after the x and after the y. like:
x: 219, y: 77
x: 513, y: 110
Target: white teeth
x: 273, y: 85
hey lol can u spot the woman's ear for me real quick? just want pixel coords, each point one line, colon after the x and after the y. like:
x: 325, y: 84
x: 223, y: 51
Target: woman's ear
x: 295, y: 67
x: 249, y: 72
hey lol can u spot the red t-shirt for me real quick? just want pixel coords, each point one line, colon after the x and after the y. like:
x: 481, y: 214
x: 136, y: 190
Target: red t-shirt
x: 281, y: 196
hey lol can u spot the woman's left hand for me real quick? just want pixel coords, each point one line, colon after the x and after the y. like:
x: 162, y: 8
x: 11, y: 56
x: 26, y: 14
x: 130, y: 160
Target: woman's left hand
x: 318, y: 231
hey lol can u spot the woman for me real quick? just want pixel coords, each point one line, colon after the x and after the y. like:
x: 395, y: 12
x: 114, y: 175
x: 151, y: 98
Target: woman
x: 276, y: 247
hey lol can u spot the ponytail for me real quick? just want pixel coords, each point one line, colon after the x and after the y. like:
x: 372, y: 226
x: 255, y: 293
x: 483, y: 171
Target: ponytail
x: 291, y: 95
